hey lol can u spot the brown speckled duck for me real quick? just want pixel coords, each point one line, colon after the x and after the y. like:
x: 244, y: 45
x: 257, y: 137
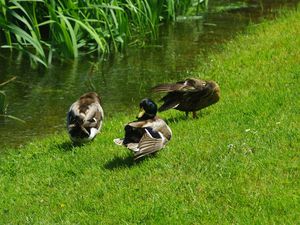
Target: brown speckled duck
x: 84, y: 119
x: 148, y: 134
x: 189, y: 95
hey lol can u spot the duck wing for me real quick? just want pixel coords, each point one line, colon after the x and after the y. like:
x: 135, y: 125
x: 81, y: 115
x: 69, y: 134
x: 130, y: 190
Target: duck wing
x: 93, y: 116
x: 75, y: 119
x: 171, y: 100
x: 189, y: 84
x: 150, y: 142
x: 135, y: 130
x: 168, y: 87
x: 73, y: 114
x: 177, y: 92
x: 142, y: 141
x: 186, y: 97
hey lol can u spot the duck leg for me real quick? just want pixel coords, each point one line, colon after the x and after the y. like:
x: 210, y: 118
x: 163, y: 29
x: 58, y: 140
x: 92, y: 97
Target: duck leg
x: 186, y: 115
x: 195, y: 115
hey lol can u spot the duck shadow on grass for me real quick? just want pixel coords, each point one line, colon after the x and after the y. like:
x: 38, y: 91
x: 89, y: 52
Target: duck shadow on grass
x: 183, y: 117
x: 68, y: 146
x: 120, y: 162
x: 177, y: 119
x: 127, y: 162
x: 115, y: 163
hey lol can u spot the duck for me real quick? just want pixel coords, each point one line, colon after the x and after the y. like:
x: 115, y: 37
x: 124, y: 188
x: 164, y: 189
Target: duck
x: 189, y: 95
x: 146, y: 135
x: 85, y: 118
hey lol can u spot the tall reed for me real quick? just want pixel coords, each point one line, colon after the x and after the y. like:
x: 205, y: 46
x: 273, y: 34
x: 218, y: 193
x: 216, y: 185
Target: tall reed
x: 64, y: 28
x: 3, y: 103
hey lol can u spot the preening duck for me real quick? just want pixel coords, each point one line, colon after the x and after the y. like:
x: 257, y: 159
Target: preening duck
x: 148, y: 134
x: 189, y: 95
x: 84, y: 119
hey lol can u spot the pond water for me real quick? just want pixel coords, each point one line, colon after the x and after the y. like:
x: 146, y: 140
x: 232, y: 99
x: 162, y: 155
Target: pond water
x: 42, y: 97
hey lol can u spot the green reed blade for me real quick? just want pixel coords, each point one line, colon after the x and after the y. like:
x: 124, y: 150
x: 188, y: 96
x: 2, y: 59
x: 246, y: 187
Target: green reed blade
x: 2, y: 102
x: 100, y: 41
x: 69, y: 34
x: 8, y: 81
x: 21, y: 34
x: 13, y: 117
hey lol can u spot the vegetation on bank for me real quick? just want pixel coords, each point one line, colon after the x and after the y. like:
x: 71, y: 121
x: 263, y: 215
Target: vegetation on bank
x: 237, y: 164
x: 43, y: 28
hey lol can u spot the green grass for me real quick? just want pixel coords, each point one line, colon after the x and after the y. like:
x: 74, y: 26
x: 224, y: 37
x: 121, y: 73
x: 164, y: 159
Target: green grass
x: 237, y: 164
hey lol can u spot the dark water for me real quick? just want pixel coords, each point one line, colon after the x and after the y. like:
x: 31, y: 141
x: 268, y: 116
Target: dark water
x: 42, y: 97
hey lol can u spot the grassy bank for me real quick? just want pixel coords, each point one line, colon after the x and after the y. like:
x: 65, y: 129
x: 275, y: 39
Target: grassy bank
x: 237, y: 164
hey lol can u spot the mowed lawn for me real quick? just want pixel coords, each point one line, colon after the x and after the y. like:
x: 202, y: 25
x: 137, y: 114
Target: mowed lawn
x: 238, y: 163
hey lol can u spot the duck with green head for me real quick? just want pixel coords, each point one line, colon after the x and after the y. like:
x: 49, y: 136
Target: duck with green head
x: 148, y: 134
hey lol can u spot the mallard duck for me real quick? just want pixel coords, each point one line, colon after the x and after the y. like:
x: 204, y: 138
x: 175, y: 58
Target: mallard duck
x: 84, y: 119
x: 148, y: 134
x: 189, y: 95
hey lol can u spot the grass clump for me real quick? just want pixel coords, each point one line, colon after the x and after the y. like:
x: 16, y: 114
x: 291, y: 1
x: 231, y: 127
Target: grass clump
x: 237, y: 164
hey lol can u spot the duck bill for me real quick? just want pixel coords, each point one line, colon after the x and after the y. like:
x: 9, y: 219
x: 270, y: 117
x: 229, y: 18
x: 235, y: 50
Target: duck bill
x: 141, y: 113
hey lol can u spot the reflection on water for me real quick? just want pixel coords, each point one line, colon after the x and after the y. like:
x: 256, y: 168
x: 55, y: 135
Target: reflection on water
x: 42, y: 97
